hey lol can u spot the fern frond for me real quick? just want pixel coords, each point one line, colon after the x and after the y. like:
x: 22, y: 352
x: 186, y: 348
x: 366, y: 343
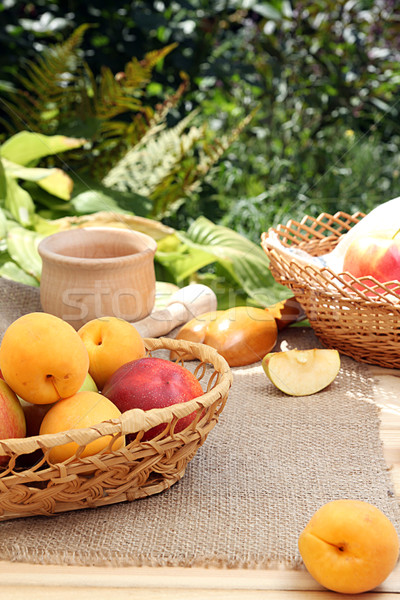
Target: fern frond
x: 154, y: 158
x: 212, y: 153
x: 189, y: 177
x: 152, y: 58
x: 48, y: 83
x: 121, y: 93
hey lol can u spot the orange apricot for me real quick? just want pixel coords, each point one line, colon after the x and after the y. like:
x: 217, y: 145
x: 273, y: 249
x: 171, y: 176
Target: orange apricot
x: 84, y: 409
x: 42, y: 358
x: 111, y: 342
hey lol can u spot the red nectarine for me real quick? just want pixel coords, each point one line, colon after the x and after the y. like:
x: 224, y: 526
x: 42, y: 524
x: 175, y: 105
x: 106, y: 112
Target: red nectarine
x: 152, y: 382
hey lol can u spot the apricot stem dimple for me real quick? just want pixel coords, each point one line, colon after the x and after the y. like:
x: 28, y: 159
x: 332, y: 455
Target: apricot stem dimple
x: 340, y: 547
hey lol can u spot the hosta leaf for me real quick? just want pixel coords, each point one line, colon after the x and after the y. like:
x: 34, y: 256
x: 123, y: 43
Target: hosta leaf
x: 245, y: 262
x: 26, y: 147
x: 10, y: 270
x: 3, y: 229
x: 3, y: 182
x: 184, y: 261
x: 91, y: 196
x: 19, y: 202
x: 54, y: 181
x: 22, y: 247
x: 58, y: 183
x: 27, y: 173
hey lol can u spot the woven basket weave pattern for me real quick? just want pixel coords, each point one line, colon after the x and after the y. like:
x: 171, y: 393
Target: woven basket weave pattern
x: 31, y: 485
x: 358, y: 317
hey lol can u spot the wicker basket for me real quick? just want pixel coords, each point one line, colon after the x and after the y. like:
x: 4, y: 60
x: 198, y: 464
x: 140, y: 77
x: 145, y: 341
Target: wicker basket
x: 358, y: 317
x: 32, y: 485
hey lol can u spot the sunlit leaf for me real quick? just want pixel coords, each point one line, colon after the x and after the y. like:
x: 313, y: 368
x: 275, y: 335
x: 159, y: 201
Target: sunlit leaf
x: 58, y: 183
x: 26, y: 147
x: 245, y: 262
x: 10, y: 270
x: 3, y: 228
x: 19, y: 202
x: 22, y: 247
x: 27, y: 173
x: 3, y: 182
x: 184, y: 261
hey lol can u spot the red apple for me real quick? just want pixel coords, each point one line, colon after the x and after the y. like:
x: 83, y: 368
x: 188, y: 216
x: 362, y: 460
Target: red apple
x: 151, y: 382
x: 12, y: 418
x: 377, y: 256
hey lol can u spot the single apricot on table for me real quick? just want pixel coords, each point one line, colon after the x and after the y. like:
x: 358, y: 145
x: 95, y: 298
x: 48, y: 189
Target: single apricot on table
x: 349, y: 546
x: 42, y: 358
x: 243, y: 335
x: 84, y: 409
x: 111, y: 342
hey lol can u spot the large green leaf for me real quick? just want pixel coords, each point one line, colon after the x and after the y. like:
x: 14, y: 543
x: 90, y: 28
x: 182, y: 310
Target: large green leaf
x: 3, y: 230
x: 26, y: 147
x: 58, y: 183
x: 22, y: 247
x: 28, y: 173
x: 3, y: 182
x: 19, y: 202
x: 10, y: 270
x: 54, y: 181
x: 245, y: 262
x: 182, y: 260
x: 90, y: 196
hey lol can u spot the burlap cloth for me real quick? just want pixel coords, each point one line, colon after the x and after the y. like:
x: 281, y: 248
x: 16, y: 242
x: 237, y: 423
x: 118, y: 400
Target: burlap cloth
x: 265, y: 468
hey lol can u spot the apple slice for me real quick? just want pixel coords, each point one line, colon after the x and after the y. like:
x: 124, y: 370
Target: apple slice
x: 302, y: 372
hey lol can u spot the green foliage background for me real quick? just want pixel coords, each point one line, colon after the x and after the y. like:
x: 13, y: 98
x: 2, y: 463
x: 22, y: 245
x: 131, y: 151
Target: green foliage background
x: 322, y: 76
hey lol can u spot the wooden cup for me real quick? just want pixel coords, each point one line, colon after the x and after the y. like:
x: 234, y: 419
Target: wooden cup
x: 97, y: 272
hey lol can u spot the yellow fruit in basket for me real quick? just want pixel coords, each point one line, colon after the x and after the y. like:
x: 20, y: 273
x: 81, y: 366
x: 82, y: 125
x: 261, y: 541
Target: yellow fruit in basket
x: 111, y: 342
x: 349, y: 546
x: 42, y: 358
x: 34, y: 413
x: 84, y: 409
x: 302, y: 372
x: 242, y: 335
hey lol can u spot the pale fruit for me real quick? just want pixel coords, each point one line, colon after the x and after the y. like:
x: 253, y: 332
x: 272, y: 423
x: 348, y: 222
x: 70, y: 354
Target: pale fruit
x: 84, y: 409
x: 42, y: 358
x: 302, y: 372
x: 111, y: 342
x: 349, y: 546
x: 88, y: 385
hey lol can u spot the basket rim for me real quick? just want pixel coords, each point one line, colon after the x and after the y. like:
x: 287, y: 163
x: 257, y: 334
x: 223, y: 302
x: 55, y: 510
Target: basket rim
x: 136, y: 419
x: 340, y: 284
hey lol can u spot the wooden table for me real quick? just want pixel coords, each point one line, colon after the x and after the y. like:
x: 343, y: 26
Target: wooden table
x: 21, y: 580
